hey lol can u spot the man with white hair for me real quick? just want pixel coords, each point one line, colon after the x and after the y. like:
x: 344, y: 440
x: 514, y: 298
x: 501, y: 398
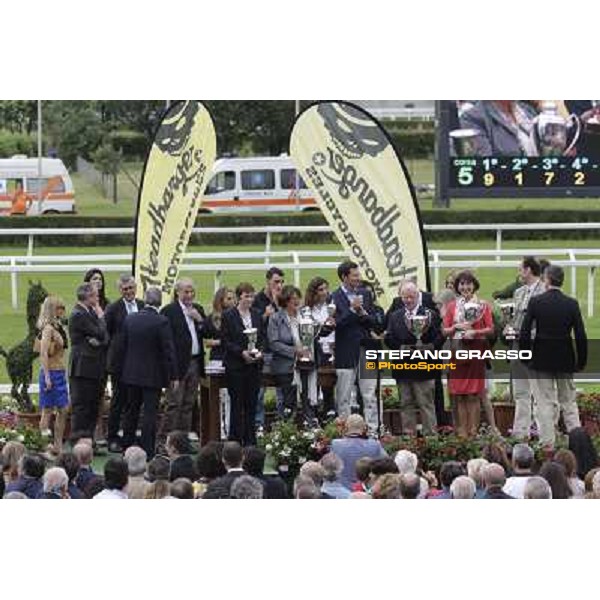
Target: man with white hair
x: 494, y: 478
x: 84, y: 452
x: 537, y: 488
x: 354, y: 446
x: 186, y: 319
x: 407, y: 463
x: 247, y: 487
x: 462, y: 488
x: 522, y: 463
x: 475, y: 468
x: 137, y: 461
x: 415, y: 387
x: 56, y: 484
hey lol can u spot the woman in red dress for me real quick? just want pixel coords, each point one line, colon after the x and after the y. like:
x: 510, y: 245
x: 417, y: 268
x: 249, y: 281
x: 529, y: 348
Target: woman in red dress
x: 468, y: 332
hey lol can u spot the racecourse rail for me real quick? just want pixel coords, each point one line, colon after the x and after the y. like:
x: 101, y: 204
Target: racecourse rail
x: 573, y: 258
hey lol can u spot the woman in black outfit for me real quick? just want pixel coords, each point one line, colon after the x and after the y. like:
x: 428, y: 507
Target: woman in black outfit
x: 243, y: 370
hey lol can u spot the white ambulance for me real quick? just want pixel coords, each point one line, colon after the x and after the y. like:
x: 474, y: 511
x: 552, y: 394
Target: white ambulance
x: 22, y: 173
x: 258, y: 184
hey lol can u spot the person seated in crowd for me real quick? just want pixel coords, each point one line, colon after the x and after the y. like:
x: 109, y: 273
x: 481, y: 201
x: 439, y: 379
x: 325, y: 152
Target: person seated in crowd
x: 462, y: 488
x: 475, y: 468
x: 355, y: 445
x: 387, y: 487
x: 84, y: 452
x: 537, y: 488
x: 379, y: 467
x: 589, y: 481
x: 179, y: 451
x: 555, y: 474
x: 407, y: 463
x: 56, y: 484
x: 522, y: 463
x: 494, y: 478
x: 137, y: 463
x: 182, y: 489
x: 567, y: 459
x: 233, y: 458
x: 254, y: 464
x: 410, y: 486
x: 596, y: 485
x: 209, y: 466
x: 495, y: 452
x: 68, y: 461
x: 363, y: 470
x: 94, y: 487
x: 585, y: 452
x: 315, y: 473
x: 305, y: 489
x: 116, y: 476
x: 333, y: 466
x: 12, y: 452
x: 15, y: 496
x: 247, y: 487
x: 158, y: 478
x: 31, y: 471
x: 448, y: 473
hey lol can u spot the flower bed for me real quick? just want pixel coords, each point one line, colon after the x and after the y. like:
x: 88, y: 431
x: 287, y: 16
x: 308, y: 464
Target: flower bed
x: 30, y: 437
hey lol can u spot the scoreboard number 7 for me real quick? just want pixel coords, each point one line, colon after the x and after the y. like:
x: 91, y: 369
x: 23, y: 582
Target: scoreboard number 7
x: 548, y: 177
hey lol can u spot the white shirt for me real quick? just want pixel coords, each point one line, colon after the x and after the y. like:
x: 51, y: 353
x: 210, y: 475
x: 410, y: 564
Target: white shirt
x: 130, y: 307
x: 111, y: 495
x: 515, y: 486
x: 192, y: 328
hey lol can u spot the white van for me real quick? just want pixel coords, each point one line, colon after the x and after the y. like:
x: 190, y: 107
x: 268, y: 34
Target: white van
x: 20, y: 172
x: 258, y: 184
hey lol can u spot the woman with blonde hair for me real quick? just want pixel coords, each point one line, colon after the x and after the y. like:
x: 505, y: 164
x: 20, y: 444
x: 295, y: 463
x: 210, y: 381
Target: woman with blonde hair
x: 51, y: 344
x: 12, y: 453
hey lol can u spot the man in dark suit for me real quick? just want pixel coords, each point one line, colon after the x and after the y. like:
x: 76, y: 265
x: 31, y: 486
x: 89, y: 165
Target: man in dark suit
x: 87, y: 362
x: 233, y: 457
x: 149, y: 365
x: 424, y: 299
x: 114, y: 318
x: 354, y: 320
x: 554, y: 316
x: 416, y: 388
x: 186, y: 319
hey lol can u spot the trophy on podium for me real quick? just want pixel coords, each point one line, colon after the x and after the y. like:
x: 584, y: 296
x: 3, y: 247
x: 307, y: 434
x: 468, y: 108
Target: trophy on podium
x: 252, y: 335
x: 507, y: 308
x: 551, y: 131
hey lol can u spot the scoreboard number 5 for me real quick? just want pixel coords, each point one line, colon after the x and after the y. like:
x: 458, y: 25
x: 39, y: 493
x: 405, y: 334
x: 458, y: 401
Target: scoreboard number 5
x: 465, y: 176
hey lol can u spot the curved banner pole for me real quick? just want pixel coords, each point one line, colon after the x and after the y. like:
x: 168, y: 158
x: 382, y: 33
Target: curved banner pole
x: 364, y: 191
x: 173, y: 182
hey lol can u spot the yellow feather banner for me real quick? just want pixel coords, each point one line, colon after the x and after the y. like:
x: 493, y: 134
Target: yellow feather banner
x: 175, y: 176
x: 364, y: 191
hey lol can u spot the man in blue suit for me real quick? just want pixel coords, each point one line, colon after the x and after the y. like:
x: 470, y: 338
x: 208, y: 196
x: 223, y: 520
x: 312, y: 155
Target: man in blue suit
x: 354, y: 320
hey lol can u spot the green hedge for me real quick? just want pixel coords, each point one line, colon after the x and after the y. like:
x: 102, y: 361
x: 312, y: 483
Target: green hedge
x: 314, y: 218
x: 413, y: 143
x: 133, y: 144
x: 16, y: 143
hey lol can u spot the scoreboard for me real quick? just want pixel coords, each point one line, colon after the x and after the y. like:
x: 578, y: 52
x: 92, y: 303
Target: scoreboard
x: 524, y: 172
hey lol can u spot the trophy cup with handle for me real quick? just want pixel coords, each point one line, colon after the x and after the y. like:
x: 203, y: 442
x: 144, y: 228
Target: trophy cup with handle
x: 252, y: 335
x: 329, y: 347
x: 465, y: 142
x: 551, y: 131
x: 307, y: 330
x: 471, y: 312
x: 417, y: 324
x: 507, y: 309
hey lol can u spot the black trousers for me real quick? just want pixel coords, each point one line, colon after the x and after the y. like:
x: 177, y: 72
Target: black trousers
x: 118, y: 406
x: 243, y: 387
x: 289, y: 392
x: 136, y: 398
x: 85, y: 405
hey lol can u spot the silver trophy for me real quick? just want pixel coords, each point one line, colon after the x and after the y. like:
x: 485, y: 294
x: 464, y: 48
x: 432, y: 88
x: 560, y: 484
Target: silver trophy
x: 471, y: 312
x: 507, y: 309
x: 465, y: 142
x: 307, y: 330
x: 551, y: 131
x: 252, y: 335
x: 417, y: 324
x: 330, y: 310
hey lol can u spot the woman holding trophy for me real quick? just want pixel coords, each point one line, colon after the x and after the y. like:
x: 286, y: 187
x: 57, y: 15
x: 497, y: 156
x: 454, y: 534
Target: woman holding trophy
x: 242, y: 338
x: 468, y: 320
x: 322, y: 310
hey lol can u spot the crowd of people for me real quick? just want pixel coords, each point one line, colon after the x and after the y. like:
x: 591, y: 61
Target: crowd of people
x: 355, y: 467
x: 143, y: 349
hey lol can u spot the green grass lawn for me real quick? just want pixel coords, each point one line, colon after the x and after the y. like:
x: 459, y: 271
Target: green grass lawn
x: 13, y: 327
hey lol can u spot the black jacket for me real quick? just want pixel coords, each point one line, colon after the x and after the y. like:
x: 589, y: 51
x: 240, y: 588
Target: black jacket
x: 88, y: 358
x: 426, y: 301
x: 235, y: 341
x: 147, y: 350
x: 554, y: 316
x: 220, y: 488
x: 114, y: 316
x: 182, y: 337
x: 496, y: 493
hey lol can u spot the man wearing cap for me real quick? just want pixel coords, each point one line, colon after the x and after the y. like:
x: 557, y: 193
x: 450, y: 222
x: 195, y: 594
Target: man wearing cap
x: 355, y: 445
